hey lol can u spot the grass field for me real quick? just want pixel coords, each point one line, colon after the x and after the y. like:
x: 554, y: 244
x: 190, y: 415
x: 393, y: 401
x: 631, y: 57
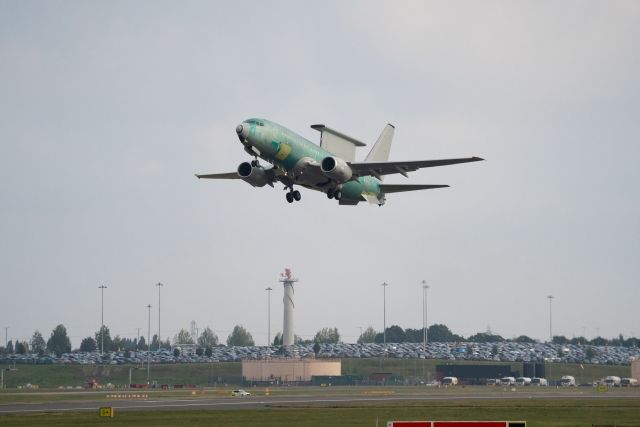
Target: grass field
x: 537, y: 413
x: 198, y: 373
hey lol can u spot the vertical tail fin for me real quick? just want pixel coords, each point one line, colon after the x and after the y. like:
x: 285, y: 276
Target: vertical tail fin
x: 380, y: 151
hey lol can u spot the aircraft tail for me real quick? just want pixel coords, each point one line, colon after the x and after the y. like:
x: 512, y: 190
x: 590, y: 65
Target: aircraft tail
x: 382, y: 148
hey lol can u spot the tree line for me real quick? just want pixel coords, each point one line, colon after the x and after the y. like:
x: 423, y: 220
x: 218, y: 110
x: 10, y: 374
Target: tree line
x: 102, y: 340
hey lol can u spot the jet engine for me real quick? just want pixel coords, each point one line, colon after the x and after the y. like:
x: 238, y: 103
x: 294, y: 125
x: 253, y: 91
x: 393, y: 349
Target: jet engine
x: 254, y: 175
x: 336, y: 169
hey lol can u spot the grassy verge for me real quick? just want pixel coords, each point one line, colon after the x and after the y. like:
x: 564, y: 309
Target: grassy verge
x: 548, y: 413
x: 198, y: 373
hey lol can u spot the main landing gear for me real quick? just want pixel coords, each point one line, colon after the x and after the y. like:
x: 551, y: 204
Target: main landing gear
x: 293, y: 196
x: 255, y: 163
x: 334, y: 194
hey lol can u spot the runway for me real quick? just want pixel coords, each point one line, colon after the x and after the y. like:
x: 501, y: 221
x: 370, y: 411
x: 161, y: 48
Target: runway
x: 264, y: 402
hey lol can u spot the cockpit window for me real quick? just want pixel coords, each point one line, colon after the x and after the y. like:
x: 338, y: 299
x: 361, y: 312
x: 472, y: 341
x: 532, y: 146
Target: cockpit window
x: 254, y: 121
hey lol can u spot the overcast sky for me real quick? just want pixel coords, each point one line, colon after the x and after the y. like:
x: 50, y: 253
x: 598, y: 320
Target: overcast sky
x: 108, y: 109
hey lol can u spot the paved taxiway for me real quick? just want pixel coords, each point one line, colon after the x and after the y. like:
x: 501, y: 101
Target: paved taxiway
x: 262, y: 402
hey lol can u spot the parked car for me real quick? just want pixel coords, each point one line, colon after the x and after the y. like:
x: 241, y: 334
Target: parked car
x: 240, y: 393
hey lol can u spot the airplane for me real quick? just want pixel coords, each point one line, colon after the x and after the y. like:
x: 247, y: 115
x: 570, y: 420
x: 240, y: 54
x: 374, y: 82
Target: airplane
x: 329, y: 168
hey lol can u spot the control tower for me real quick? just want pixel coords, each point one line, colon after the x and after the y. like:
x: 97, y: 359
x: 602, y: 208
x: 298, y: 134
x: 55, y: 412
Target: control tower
x: 287, y: 330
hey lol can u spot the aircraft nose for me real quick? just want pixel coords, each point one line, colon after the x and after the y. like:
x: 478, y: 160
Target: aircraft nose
x: 243, y: 131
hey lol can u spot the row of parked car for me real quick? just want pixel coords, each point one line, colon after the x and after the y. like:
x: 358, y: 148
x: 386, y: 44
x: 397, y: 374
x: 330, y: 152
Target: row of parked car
x: 503, y: 352
x: 566, y: 381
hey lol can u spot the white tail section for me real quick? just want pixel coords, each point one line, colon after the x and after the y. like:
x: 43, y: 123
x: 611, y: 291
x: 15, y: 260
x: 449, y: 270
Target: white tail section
x: 380, y: 151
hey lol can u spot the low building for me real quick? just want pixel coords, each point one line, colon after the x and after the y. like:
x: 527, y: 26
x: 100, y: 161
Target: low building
x: 635, y: 369
x: 289, y: 370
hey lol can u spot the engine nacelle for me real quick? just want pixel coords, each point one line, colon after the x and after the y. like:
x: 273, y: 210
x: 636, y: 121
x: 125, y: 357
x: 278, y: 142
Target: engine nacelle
x: 336, y: 169
x: 255, y: 176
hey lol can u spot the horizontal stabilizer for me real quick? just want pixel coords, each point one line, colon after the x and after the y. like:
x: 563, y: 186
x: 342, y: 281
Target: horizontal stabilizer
x: 399, y: 188
x: 229, y: 175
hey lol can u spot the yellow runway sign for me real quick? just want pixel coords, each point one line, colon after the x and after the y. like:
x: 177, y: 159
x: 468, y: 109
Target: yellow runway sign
x: 602, y: 388
x: 106, y: 412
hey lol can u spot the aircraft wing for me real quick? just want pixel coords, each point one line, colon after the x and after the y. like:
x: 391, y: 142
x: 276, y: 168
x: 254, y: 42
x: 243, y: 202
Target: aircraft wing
x: 379, y: 169
x: 399, y: 188
x: 229, y: 175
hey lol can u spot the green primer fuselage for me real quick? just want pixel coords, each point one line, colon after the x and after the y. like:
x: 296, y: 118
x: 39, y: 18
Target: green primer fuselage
x: 291, y: 153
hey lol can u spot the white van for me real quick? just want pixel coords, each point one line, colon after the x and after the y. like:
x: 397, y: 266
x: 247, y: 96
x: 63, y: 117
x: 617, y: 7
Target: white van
x: 450, y: 381
x: 539, y: 382
x: 508, y: 381
x: 523, y: 381
x: 568, y: 381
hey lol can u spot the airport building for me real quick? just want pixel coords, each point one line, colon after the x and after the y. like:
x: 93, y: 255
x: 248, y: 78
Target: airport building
x: 635, y: 369
x: 289, y: 370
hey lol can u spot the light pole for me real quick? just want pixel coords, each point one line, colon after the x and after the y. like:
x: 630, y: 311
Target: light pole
x: 384, y: 318
x: 138, y: 342
x: 149, y: 347
x: 159, y: 285
x: 550, y: 320
x: 424, y: 315
x: 6, y: 342
x: 102, y: 288
x: 268, y: 315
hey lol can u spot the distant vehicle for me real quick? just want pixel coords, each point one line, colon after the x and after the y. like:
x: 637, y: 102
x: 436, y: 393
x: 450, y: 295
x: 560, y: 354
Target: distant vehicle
x: 508, y: 381
x: 450, y: 381
x: 523, y: 381
x: 629, y: 382
x: 240, y: 393
x: 539, y: 382
x: 492, y: 381
x: 568, y: 381
x: 612, y: 381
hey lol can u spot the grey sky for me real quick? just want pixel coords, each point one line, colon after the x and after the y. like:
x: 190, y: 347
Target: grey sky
x: 107, y: 110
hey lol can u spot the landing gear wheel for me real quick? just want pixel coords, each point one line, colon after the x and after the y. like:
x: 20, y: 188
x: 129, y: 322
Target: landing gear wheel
x: 296, y: 195
x: 337, y: 195
x: 290, y: 197
x: 330, y: 193
x: 255, y: 163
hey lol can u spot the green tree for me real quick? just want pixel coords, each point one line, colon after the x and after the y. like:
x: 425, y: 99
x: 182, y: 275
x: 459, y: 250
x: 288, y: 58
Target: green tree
x: 368, y: 336
x: 176, y: 352
x: 88, y: 344
x: 117, y: 343
x: 183, y: 337
x: 240, y: 337
x: 207, y: 338
x: 59, y: 341
x: 278, y: 340
x: 560, y: 339
x: 560, y: 352
x: 208, y: 352
x: 22, y: 347
x: 317, y: 348
x: 142, y: 344
x: 199, y: 351
x: 590, y: 353
x: 494, y: 350
x: 38, y: 344
x: 327, y: 335
x: 441, y: 333
x: 106, y: 338
x: 10, y: 347
x: 524, y: 338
